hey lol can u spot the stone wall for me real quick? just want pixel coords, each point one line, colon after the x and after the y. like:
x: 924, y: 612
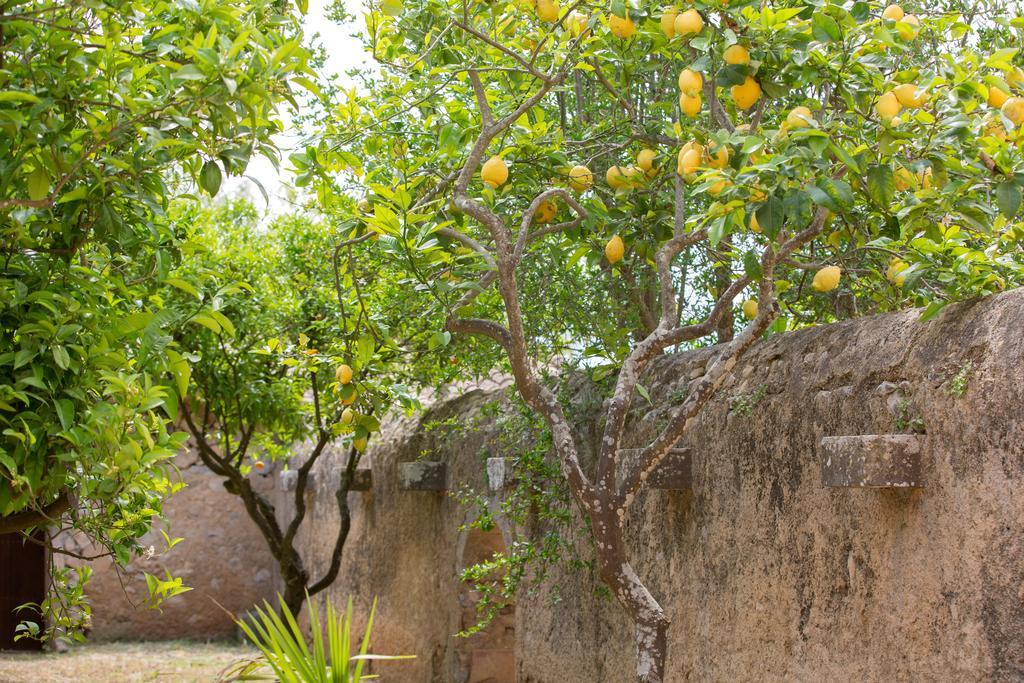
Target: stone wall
x: 222, y: 557
x: 765, y: 573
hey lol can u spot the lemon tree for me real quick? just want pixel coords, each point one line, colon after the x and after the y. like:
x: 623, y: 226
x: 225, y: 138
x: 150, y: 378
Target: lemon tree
x: 108, y: 110
x: 813, y: 161
x: 294, y: 362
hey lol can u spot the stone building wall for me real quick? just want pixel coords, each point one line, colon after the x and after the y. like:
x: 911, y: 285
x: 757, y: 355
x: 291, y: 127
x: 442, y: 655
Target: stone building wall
x: 766, y: 573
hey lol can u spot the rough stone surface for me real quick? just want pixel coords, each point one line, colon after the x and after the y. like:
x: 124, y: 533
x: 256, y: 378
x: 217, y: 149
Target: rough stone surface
x: 765, y: 573
x: 223, y: 558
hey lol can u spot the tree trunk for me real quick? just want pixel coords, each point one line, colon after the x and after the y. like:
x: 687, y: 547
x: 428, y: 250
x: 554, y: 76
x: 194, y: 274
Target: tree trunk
x: 294, y: 594
x: 647, y: 615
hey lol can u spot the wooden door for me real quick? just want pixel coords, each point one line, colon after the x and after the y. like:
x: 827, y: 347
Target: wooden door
x: 22, y: 579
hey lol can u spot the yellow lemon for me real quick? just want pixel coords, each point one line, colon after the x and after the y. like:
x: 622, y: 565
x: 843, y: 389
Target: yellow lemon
x: 1015, y: 77
x: 689, y: 161
x: 888, y: 106
x: 894, y: 272
x: 578, y: 23
x: 799, y: 117
x: 718, y: 157
x: 494, y: 172
x: 621, y: 27
x: 694, y: 145
x: 718, y: 187
x: 690, y: 82
x: 1013, y: 109
x: 690, y: 104
x: 668, y: 22
x: 904, y: 179
x: 547, y: 10
x: 580, y: 178
x: 546, y: 212
x: 688, y: 22
x: 645, y: 159
x: 359, y: 444
x: 634, y: 175
x: 617, y: 178
x: 826, y: 279
x: 750, y: 309
x: 343, y: 374
x: 746, y: 94
x: 893, y: 13
x: 347, y: 416
x: 910, y: 95
x: 736, y: 54
x: 995, y: 128
x: 614, y: 250
x: 997, y: 96
x: 909, y: 27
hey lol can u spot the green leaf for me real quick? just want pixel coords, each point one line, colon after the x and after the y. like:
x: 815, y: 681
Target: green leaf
x: 207, y: 322
x: 834, y: 195
x: 439, y: 339
x: 845, y: 157
x: 718, y: 230
x: 881, y: 184
x: 771, y: 215
x: 364, y: 350
x: 183, y: 285
x: 752, y: 265
x: 189, y: 72
x: 210, y: 177
x: 65, y: 412
x: 933, y: 309
x: 61, y: 356
x: 38, y: 184
x: 825, y: 29
x: 1008, y: 198
x: 18, y: 96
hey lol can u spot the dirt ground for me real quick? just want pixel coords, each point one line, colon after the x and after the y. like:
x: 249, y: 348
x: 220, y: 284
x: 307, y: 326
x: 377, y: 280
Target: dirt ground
x: 173, y: 662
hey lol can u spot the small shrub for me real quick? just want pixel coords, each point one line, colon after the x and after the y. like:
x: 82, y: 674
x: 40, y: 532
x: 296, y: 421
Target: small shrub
x: 289, y: 658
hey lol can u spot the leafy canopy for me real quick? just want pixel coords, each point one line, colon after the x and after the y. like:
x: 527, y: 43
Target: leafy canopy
x: 924, y: 205
x: 109, y: 109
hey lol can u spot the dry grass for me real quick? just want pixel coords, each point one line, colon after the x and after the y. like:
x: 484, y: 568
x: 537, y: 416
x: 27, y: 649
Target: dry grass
x: 173, y: 662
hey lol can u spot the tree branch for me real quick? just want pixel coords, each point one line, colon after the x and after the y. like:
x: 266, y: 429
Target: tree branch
x: 48, y: 514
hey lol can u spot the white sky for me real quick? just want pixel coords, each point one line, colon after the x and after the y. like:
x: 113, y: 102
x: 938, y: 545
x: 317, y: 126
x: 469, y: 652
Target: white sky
x: 343, y: 53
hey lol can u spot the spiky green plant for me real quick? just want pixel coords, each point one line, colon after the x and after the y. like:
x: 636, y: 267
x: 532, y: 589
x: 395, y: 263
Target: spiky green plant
x: 285, y: 651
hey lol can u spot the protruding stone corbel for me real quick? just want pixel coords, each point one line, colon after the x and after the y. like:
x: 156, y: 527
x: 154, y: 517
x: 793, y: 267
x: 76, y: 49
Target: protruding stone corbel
x: 674, y: 472
x: 290, y: 478
x: 423, y: 476
x: 499, y: 474
x: 362, y: 480
x: 872, y: 461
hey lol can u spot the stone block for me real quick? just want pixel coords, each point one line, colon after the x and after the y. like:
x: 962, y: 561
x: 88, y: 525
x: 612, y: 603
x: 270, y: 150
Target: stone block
x: 871, y: 461
x: 423, y: 476
x: 362, y: 480
x: 499, y: 473
x: 674, y: 472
